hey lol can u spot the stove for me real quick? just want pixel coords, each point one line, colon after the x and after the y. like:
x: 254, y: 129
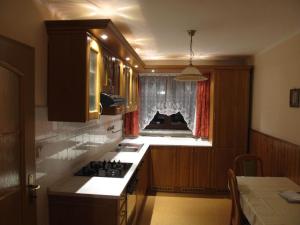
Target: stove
x: 104, y: 169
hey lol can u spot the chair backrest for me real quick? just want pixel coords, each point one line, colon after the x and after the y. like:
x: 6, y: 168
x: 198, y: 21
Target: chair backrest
x: 248, y: 165
x: 235, y: 197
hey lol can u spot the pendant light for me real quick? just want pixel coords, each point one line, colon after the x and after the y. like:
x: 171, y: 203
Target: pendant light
x: 190, y: 73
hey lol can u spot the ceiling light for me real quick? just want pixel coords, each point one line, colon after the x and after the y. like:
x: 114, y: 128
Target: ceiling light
x: 153, y: 71
x: 190, y: 73
x: 104, y: 36
x: 136, y: 66
x: 127, y: 58
x: 113, y: 59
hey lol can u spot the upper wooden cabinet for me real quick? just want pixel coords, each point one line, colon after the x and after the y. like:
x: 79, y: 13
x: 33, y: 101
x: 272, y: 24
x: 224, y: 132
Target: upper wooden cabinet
x: 129, y: 88
x: 73, y: 76
x: 81, y: 64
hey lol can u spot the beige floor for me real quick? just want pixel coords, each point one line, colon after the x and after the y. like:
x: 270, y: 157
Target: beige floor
x: 172, y: 209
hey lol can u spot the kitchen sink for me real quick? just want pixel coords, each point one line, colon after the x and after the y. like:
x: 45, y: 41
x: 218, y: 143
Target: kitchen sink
x: 127, y: 147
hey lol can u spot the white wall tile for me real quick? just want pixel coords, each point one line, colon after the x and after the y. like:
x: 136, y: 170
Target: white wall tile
x: 64, y: 147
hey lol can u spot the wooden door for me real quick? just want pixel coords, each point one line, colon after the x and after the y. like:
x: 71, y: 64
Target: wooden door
x: 17, y: 158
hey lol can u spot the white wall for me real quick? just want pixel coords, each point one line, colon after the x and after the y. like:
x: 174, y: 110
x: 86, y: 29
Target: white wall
x: 24, y: 21
x: 276, y: 71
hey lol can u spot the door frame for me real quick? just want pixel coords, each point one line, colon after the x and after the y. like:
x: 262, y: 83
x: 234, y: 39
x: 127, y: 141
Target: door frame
x: 19, y: 57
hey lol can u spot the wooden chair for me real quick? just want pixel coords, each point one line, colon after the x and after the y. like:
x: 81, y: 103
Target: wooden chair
x: 248, y: 165
x: 235, y: 198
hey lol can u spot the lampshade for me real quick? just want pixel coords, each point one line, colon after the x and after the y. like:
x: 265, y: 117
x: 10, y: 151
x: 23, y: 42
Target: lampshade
x: 190, y: 73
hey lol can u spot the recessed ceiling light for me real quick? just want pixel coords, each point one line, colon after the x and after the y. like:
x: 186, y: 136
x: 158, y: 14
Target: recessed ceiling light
x: 127, y: 58
x: 104, y: 36
x: 136, y: 66
x: 113, y: 59
x: 153, y: 71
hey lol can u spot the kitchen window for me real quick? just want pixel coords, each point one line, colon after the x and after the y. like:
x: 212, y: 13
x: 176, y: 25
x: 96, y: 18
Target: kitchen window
x: 167, y: 105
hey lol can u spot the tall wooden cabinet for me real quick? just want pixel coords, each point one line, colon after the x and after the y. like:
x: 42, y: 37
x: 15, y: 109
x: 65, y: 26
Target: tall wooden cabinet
x: 231, y: 120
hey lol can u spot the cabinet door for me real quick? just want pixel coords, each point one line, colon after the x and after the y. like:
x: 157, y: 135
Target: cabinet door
x: 184, y: 156
x: 193, y: 168
x: 163, y: 171
x: 93, y: 79
x: 142, y: 184
x: 201, y: 168
x: 231, y: 108
x: 134, y: 91
x: 127, y: 75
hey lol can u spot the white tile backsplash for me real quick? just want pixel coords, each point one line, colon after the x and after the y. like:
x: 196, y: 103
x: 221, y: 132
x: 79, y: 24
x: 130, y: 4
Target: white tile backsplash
x: 63, y: 147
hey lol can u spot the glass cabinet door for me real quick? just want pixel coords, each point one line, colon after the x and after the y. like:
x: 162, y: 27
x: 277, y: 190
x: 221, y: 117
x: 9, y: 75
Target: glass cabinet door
x: 93, y: 80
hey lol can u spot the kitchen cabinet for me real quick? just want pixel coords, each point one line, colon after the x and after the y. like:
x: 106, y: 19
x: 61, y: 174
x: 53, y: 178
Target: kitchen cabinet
x: 73, y: 85
x: 231, y: 108
x: 78, y: 210
x: 163, y: 168
x: 73, y: 76
x: 129, y: 88
x: 231, y: 121
x: 111, y: 80
x: 180, y: 168
x: 134, y: 91
x: 142, y: 186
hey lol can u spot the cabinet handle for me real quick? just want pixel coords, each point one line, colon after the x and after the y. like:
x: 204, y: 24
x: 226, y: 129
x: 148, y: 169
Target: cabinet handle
x: 101, y: 108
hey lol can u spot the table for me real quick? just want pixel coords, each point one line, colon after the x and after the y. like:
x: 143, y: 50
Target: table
x: 262, y: 204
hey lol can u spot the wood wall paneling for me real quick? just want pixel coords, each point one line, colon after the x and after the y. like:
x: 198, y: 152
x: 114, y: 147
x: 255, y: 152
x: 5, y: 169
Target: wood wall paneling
x: 280, y: 158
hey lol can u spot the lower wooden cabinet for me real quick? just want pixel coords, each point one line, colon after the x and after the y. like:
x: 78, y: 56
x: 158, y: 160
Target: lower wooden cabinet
x: 86, y: 210
x: 163, y: 166
x: 142, y: 185
x: 180, y: 169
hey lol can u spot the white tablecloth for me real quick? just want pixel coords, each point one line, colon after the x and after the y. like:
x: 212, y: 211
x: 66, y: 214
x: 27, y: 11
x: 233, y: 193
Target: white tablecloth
x: 262, y: 204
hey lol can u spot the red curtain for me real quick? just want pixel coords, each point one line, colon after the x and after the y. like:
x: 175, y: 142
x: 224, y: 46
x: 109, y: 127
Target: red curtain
x: 131, y: 123
x: 202, y: 108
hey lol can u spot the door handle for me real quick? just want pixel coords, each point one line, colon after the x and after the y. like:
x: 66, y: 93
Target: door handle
x: 32, y: 186
x: 33, y: 190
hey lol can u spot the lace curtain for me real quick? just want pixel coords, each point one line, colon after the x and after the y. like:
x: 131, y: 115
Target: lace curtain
x: 162, y: 93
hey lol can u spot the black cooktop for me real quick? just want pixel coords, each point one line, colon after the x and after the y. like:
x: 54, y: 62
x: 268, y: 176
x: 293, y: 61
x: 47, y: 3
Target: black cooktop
x: 104, y: 169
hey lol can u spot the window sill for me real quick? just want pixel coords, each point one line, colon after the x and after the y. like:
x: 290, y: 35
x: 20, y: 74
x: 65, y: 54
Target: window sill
x: 168, y: 133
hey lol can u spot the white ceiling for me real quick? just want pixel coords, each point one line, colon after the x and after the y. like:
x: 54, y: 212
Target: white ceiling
x: 157, y: 28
